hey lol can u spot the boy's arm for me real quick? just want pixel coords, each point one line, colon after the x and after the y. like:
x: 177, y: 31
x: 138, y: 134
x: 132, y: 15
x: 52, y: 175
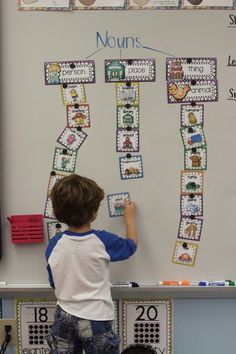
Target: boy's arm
x: 129, y: 217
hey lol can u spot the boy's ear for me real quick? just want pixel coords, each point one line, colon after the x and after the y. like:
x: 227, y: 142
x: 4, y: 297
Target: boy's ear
x: 94, y: 216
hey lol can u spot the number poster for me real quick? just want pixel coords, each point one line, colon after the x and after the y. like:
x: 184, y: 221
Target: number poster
x: 34, y: 320
x: 147, y: 322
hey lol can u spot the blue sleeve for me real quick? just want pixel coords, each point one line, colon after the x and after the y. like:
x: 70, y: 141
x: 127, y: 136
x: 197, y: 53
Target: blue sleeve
x: 117, y: 247
x: 50, y: 247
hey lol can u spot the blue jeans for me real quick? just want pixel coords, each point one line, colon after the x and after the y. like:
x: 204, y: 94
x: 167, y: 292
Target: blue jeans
x: 71, y: 335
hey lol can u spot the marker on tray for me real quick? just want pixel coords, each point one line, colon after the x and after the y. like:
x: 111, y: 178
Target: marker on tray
x: 174, y: 283
x: 127, y: 284
x: 213, y: 283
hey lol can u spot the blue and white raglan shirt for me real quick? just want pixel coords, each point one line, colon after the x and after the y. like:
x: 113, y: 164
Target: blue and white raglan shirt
x: 78, y: 268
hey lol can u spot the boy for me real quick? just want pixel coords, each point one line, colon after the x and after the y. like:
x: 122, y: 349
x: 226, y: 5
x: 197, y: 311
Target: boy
x: 78, y: 268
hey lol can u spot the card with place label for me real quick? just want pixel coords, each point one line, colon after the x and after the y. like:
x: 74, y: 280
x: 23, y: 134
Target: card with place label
x: 191, y: 69
x: 207, y: 4
x: 69, y: 72
x: 127, y: 116
x: 127, y: 140
x: 192, y: 114
x: 73, y: 93
x: 99, y: 4
x: 72, y: 138
x: 45, y: 5
x: 192, y: 91
x: 148, y: 321
x: 118, y: 70
x: 127, y: 92
x: 191, y: 182
x: 193, y: 137
x: 54, y: 228
x: 185, y: 253
x: 190, y: 228
x: 64, y: 160
x: 153, y: 4
x: 195, y: 159
x: 34, y: 321
x: 131, y: 167
x: 48, y: 210
x: 116, y: 203
x: 191, y: 204
x: 78, y: 115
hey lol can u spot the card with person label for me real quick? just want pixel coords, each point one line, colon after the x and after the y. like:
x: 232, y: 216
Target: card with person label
x: 55, y: 228
x: 72, y: 138
x: 78, y: 115
x: 64, y: 160
x: 73, y: 93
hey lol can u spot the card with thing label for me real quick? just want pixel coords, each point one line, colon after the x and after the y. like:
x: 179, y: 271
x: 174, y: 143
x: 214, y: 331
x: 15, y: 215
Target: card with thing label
x: 193, y: 137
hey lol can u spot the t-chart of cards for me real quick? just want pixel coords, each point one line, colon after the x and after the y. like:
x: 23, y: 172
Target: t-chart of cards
x: 143, y: 102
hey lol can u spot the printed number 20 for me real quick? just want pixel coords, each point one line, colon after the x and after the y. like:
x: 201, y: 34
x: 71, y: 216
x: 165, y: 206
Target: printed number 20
x: 149, y: 312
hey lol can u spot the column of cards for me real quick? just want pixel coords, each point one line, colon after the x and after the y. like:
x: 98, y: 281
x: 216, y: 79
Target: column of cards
x: 191, y: 81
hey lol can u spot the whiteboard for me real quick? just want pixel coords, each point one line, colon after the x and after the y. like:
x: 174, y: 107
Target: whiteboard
x: 33, y: 116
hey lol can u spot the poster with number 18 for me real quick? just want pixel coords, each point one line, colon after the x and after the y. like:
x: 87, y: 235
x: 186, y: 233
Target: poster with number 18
x: 34, y: 320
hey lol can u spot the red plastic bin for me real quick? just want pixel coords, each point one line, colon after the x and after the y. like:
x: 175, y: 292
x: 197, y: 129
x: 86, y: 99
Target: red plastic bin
x: 26, y: 228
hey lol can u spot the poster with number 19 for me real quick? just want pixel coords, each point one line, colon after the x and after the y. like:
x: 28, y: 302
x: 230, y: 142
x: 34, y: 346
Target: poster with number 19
x: 34, y: 320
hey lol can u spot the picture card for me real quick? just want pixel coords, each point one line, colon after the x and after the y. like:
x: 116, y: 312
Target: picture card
x: 153, y: 4
x: 64, y: 160
x: 116, y: 203
x: 190, y: 228
x: 99, y: 4
x: 192, y: 114
x: 185, y: 253
x: 54, y: 177
x: 34, y: 321
x: 69, y: 72
x: 191, y: 182
x: 48, y: 210
x: 127, y: 140
x: 192, y: 91
x: 195, y: 159
x: 45, y: 5
x: 131, y: 167
x: 118, y: 70
x: 127, y: 93
x: 193, y: 137
x: 147, y: 321
x: 191, y: 69
x: 54, y: 228
x: 72, y: 138
x: 73, y: 93
x: 127, y: 116
x: 191, y: 204
x: 78, y: 115
x: 206, y: 4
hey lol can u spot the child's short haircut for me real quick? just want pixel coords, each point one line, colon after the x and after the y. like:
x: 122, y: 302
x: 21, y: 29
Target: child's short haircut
x: 139, y: 349
x: 75, y: 200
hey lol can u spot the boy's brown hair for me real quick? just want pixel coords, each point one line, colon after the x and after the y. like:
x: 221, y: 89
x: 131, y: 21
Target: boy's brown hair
x: 75, y: 200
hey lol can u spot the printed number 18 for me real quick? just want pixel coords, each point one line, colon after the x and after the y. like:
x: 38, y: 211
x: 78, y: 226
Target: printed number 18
x: 40, y: 314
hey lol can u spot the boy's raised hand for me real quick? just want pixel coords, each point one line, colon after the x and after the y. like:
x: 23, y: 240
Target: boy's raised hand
x: 130, y: 209
x: 129, y: 216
